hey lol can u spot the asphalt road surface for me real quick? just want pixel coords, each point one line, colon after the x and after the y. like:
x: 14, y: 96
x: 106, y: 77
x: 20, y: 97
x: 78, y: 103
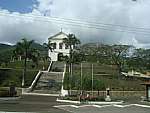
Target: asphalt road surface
x: 31, y: 104
x: 131, y: 108
x: 47, y: 104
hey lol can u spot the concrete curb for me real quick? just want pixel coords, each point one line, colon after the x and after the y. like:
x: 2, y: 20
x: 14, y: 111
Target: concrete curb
x: 102, y: 106
x: 92, y: 102
x: 68, y: 101
x: 15, y: 112
x: 40, y: 94
x: 9, y: 98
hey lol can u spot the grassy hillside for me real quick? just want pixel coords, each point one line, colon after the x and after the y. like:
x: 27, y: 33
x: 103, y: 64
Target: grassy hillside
x: 4, y: 46
x: 14, y: 76
x: 30, y: 65
x: 13, y: 73
x: 6, y: 52
x: 39, y: 47
x: 104, y: 76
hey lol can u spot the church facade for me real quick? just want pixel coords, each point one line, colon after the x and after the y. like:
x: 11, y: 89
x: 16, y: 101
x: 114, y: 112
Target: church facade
x: 59, y: 47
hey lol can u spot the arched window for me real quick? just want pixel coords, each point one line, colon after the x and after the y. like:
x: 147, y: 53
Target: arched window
x: 66, y: 46
x: 60, y: 45
x: 54, y: 45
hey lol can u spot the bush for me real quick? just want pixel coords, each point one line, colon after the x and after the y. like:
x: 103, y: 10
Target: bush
x: 8, y: 92
x: 73, y: 98
x: 4, y: 92
x: 57, y: 69
x: 15, y: 76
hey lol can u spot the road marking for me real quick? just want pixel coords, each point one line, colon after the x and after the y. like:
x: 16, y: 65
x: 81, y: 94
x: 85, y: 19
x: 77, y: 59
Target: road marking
x: 67, y: 110
x: 15, y: 112
x: 75, y: 106
x: 40, y: 94
x: 98, y: 106
x: 139, y: 105
x: 92, y: 102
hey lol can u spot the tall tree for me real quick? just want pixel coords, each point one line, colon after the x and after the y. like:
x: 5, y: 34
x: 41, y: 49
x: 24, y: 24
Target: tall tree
x: 140, y: 59
x: 23, y: 48
x: 48, y: 46
x: 117, y: 53
x: 71, y: 42
x: 34, y: 54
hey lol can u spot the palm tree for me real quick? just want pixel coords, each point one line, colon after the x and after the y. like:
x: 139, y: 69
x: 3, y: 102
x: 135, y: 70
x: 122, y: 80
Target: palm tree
x: 34, y: 54
x: 71, y: 42
x: 23, y: 48
x: 48, y: 46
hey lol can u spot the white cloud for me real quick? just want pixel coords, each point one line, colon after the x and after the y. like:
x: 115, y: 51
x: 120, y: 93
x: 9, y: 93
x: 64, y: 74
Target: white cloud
x: 44, y: 6
x: 122, y: 12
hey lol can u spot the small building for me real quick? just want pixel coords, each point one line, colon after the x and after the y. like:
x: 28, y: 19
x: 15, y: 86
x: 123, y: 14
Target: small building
x: 58, y: 46
x: 147, y: 84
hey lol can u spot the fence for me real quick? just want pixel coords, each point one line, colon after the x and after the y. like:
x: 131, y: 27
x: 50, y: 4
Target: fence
x: 114, y: 94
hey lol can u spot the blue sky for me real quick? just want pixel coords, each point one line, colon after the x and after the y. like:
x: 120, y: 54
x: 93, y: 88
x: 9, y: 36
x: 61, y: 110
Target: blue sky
x: 15, y: 24
x: 22, y: 6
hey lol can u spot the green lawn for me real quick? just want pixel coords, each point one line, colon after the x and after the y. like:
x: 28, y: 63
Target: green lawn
x: 12, y: 74
x: 104, y: 76
x: 30, y: 65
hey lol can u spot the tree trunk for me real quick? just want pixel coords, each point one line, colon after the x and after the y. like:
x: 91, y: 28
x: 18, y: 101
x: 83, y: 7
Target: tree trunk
x: 119, y: 71
x: 25, y: 69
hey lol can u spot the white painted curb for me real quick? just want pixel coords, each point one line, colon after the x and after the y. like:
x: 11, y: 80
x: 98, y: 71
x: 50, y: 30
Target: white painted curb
x: 68, y: 101
x: 9, y: 98
x: 103, y: 106
x: 40, y: 94
x: 92, y: 102
x: 15, y: 112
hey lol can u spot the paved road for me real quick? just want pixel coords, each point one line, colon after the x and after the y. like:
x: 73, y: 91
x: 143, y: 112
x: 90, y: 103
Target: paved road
x: 47, y: 104
x: 31, y: 104
x: 131, y: 108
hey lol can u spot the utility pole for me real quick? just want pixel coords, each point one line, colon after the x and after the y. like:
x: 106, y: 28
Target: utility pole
x: 92, y: 80
x: 81, y: 79
x: 71, y: 78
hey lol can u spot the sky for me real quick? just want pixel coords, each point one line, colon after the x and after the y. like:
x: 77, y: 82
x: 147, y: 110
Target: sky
x: 103, y: 21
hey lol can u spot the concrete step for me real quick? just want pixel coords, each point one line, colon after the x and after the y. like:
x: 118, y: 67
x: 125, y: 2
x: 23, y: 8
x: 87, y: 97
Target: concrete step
x: 46, y: 92
x: 57, y: 66
x: 49, y: 83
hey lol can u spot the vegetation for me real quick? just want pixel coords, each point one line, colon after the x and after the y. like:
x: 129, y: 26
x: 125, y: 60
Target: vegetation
x: 104, y: 76
x: 24, y: 49
x: 13, y: 73
x: 11, y: 66
x: 72, y: 43
x: 108, y: 60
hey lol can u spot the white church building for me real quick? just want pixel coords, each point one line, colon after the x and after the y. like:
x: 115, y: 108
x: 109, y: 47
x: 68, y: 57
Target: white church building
x: 58, y: 46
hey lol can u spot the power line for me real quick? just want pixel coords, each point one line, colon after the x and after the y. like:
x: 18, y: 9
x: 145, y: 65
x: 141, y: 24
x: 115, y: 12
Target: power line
x: 97, y: 23
x: 79, y: 23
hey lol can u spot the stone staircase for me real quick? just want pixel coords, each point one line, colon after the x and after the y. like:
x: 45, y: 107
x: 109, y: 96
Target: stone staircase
x: 57, y: 67
x: 49, y: 82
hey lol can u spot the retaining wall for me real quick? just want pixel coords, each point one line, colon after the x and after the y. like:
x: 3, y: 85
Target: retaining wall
x: 114, y: 94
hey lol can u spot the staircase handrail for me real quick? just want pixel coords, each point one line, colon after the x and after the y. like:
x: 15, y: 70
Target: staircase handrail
x: 36, y: 78
x: 63, y: 92
x: 38, y: 75
x: 49, y: 67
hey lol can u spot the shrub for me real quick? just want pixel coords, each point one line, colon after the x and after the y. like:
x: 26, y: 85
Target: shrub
x: 4, y: 92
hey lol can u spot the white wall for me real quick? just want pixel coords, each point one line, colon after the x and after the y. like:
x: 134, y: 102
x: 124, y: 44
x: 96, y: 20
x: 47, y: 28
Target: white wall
x: 58, y: 39
x: 149, y: 92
